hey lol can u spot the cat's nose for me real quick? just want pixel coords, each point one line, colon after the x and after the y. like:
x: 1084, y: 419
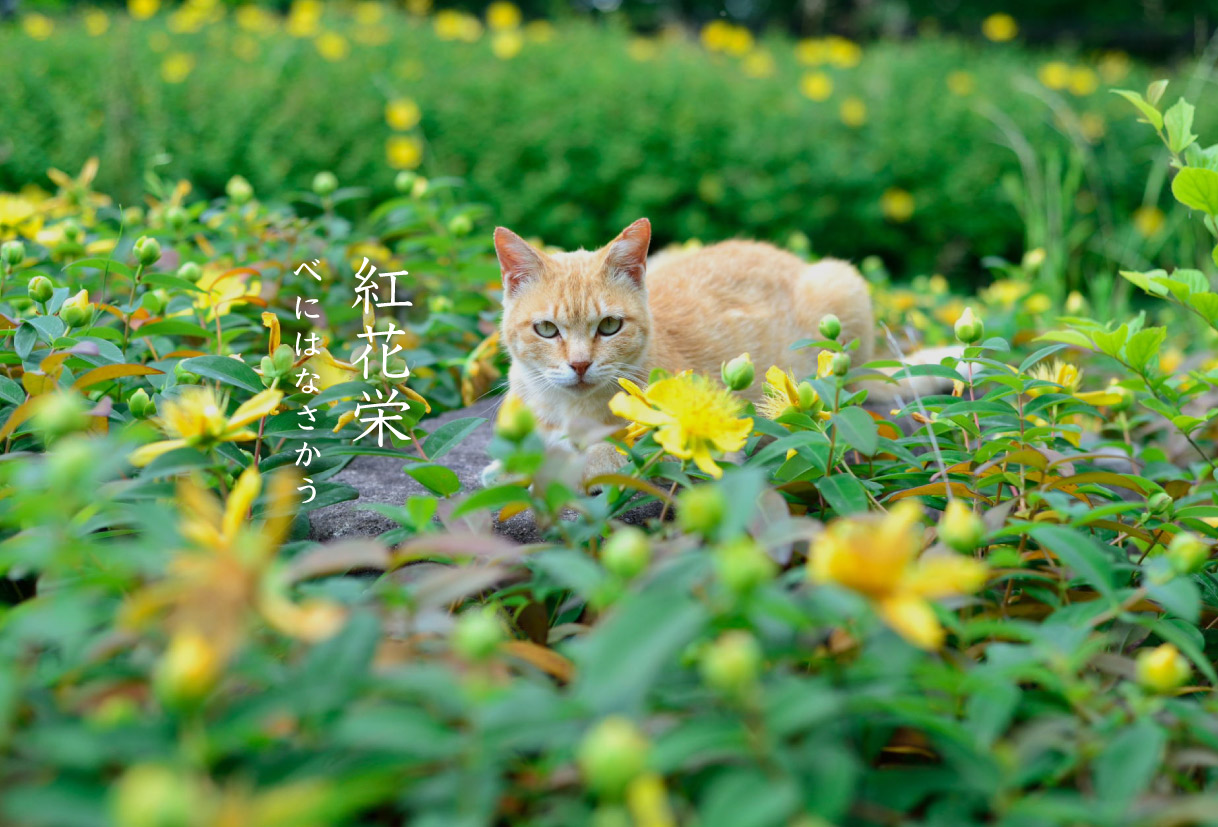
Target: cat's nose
x: 580, y: 368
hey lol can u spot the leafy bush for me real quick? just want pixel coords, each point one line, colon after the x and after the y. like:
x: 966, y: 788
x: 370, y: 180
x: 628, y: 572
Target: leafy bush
x: 899, y: 149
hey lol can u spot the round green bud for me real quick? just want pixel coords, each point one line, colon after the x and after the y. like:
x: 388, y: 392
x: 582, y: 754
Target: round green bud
x: 731, y: 664
x: 478, y: 633
x: 154, y: 301
x: 799, y: 243
x: 611, y: 755
x: 73, y: 233
x: 283, y: 359
x: 807, y: 396
x: 969, y: 329
x: 190, y: 271
x: 40, y: 289
x: 700, y: 508
x: 830, y: 326
x: 419, y: 188
x: 13, y: 253
x: 60, y: 413
x: 1187, y: 553
x: 742, y: 565
x: 1160, y: 503
x: 184, y: 377
x: 1162, y: 669
x: 514, y: 421
x: 140, y: 405
x: 325, y: 184
x: 960, y: 528
x: 176, y: 218
x: 149, y: 795
x: 627, y: 552
x: 147, y: 251
x: 840, y: 364
x: 739, y: 373
x: 404, y: 182
x: 460, y: 224
x: 239, y: 190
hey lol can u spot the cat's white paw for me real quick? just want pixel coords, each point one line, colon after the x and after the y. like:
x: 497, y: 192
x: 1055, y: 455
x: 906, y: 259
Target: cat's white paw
x: 599, y: 460
x: 492, y: 474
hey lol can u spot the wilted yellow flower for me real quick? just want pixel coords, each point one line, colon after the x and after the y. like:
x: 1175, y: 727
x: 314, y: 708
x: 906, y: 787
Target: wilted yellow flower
x: 693, y: 418
x: 1083, y: 81
x: 404, y: 151
x: 502, y: 15
x: 1163, y: 669
x: 332, y: 46
x: 507, y: 43
x: 961, y: 83
x: 1148, y: 220
x: 816, y: 85
x: 853, y: 112
x: 878, y: 558
x: 1055, y: 74
x: 999, y: 28
x: 143, y: 9
x: 897, y: 205
x: 97, y: 22
x: 176, y: 67
x: 402, y: 114
x: 37, y: 26
x: 197, y: 419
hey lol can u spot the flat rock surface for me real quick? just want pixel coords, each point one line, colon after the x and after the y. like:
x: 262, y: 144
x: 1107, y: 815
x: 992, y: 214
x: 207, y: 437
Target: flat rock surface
x: 382, y: 480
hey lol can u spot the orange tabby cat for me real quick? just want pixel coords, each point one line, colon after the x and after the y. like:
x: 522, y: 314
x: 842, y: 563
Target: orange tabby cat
x: 576, y: 322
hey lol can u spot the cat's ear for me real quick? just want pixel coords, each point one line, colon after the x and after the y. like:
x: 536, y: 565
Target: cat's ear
x: 518, y: 260
x: 626, y: 256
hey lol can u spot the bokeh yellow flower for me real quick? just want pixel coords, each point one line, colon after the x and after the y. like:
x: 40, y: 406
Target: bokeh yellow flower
x: 97, y: 22
x: 1113, y: 66
x: 502, y: 15
x: 332, y: 46
x: 403, y: 151
x: 1163, y: 669
x: 694, y: 419
x: 506, y: 44
x: 961, y: 83
x: 897, y: 205
x: 539, y: 31
x: 37, y: 26
x: 143, y: 9
x: 878, y: 558
x: 722, y: 36
x: 999, y: 28
x: 255, y: 19
x: 177, y: 66
x: 816, y: 85
x: 369, y: 12
x: 1083, y: 81
x: 402, y: 114
x: 1148, y: 220
x: 1055, y: 74
x: 843, y: 53
x: 758, y: 64
x: 853, y: 112
x: 1092, y: 125
x: 812, y: 52
x: 642, y: 49
x: 455, y: 25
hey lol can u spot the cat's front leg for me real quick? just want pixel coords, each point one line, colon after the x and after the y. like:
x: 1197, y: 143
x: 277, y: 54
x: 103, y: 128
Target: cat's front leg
x: 600, y: 459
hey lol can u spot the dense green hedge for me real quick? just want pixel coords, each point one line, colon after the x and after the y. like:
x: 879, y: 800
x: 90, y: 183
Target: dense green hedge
x: 575, y: 136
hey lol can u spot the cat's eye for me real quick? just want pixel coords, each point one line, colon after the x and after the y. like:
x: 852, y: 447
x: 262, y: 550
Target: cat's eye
x: 609, y: 325
x: 546, y: 330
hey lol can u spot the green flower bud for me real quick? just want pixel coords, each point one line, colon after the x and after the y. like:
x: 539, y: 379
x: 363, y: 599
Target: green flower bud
x: 799, y: 243
x: 184, y: 377
x: 830, y: 326
x: 1160, y: 503
x: 611, y: 755
x: 73, y: 233
x: 627, y: 553
x: 460, y: 224
x: 239, y: 190
x: 1187, y: 553
x: 1162, y: 669
x: 154, y: 301
x: 283, y: 359
x: 478, y: 633
x: 76, y: 310
x: 960, y: 528
x: 176, y: 218
x: 70, y: 462
x: 190, y: 271
x: 840, y: 364
x: 731, y: 664
x: 419, y: 188
x: 13, y: 253
x: 324, y: 184
x: 514, y: 421
x: 147, y: 251
x: 148, y: 795
x: 140, y: 405
x: 404, y: 181
x: 40, y: 288
x: 807, y: 396
x: 60, y: 413
x: 742, y: 566
x: 738, y: 374
x: 969, y: 329
x: 700, y: 508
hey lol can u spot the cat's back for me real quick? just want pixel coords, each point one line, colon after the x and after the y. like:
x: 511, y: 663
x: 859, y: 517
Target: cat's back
x: 741, y: 269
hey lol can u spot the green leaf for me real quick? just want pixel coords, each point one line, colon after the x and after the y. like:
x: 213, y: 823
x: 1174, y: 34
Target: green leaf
x: 437, y: 479
x: 449, y: 436
x: 225, y: 370
x: 1084, y: 555
x: 492, y: 498
x: 844, y: 493
x: 173, y: 327
x: 1180, y: 596
x: 1127, y: 765
x: 1178, y: 122
x: 1150, y: 115
x: 1110, y: 342
x: 1144, y: 346
x: 1147, y: 281
x: 1154, y: 92
x: 102, y: 264
x: 172, y: 282
x: 858, y: 429
x: 1069, y: 337
x: 1197, y: 189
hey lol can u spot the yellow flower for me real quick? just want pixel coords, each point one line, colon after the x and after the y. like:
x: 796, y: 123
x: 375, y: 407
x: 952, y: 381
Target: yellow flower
x: 176, y: 67
x: 1148, y: 220
x: 1170, y: 360
x: 824, y: 364
x: 254, y: 18
x: 692, y: 417
x: 502, y: 15
x: 539, y: 31
x: 816, y: 85
x: 37, y: 26
x: 97, y: 22
x: 143, y: 9
x: 224, y: 289
x: 843, y: 53
x: 1069, y: 378
x: 779, y: 393
x: 418, y: 7
x: 197, y: 419
x: 455, y: 25
x: 878, y: 558
x: 721, y: 36
x: 1114, y: 66
x: 758, y: 64
x: 304, y: 19
x: 811, y: 52
x: 1005, y: 292
x: 332, y: 46
x: 1037, y: 303
x: 369, y: 12
x: 1163, y: 669
x: 402, y: 114
x: 897, y: 205
x: 999, y: 28
x: 404, y: 151
x: 961, y: 83
x: 1055, y: 74
x: 506, y: 44
x: 1083, y: 81
x: 853, y: 112
x: 18, y: 217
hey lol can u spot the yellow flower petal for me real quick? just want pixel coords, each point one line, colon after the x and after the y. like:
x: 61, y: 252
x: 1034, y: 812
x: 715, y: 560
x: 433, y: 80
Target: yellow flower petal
x: 636, y: 410
x: 256, y: 408
x: 244, y: 492
x: 913, y: 619
x: 945, y: 575
x: 147, y: 453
